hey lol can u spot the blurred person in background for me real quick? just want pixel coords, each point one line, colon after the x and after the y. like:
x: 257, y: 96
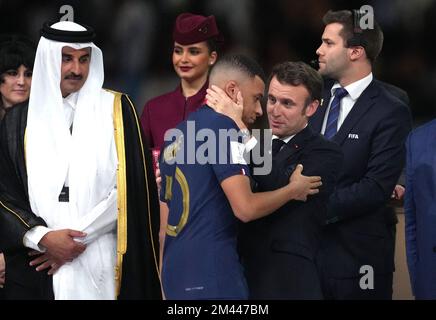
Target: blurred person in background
x: 17, y: 55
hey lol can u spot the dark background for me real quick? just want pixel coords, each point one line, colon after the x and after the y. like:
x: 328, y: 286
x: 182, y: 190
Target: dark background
x: 136, y: 37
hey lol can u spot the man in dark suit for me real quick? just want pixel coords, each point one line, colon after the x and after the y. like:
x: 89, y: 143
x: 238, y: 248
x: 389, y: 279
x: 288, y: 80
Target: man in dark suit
x: 278, y: 251
x: 370, y: 125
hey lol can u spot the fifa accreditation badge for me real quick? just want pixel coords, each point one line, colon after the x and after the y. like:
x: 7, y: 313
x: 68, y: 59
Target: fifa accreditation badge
x: 237, y: 152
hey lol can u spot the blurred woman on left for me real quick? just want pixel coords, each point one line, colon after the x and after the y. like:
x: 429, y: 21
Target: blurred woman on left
x: 17, y: 55
x: 16, y: 63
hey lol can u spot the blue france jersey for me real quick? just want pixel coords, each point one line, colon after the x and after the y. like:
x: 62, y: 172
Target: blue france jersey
x: 200, y: 257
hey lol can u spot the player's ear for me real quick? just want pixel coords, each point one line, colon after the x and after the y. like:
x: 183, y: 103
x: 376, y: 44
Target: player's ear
x: 232, y: 89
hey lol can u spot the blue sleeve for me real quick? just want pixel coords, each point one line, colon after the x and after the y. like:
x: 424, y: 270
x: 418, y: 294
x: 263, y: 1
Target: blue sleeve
x: 223, y: 172
x: 410, y: 214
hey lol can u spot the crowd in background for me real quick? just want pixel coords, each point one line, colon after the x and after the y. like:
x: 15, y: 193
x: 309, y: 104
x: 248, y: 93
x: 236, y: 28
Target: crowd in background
x: 134, y: 36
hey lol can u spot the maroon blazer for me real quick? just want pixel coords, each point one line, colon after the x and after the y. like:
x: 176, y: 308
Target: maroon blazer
x: 167, y: 111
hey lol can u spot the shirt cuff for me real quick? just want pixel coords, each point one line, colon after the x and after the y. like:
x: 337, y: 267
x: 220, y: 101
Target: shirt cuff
x: 33, y: 236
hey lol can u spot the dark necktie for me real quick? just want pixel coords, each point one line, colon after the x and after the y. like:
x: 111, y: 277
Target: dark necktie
x: 276, y: 146
x: 332, y: 121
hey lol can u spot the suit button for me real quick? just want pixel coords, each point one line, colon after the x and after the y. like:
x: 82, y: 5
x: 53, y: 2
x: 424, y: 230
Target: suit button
x: 434, y: 249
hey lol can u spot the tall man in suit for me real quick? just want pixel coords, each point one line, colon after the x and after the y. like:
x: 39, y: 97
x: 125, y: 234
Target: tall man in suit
x: 420, y: 210
x: 278, y: 251
x: 370, y: 125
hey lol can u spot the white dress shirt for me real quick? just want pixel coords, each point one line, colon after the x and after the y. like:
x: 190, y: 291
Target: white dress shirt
x: 354, y: 90
x: 285, y: 140
x: 288, y: 138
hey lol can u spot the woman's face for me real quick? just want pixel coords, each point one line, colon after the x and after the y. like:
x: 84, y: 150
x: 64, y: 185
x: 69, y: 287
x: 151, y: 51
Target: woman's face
x: 15, y: 87
x: 192, y: 62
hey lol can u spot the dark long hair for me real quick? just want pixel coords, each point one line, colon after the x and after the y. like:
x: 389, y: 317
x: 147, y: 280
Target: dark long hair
x: 15, y: 51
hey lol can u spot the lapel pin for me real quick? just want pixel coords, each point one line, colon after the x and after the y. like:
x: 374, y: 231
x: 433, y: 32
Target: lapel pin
x: 353, y: 136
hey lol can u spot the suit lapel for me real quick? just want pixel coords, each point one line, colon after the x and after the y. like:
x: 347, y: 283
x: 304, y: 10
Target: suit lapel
x: 363, y: 104
x: 295, y: 145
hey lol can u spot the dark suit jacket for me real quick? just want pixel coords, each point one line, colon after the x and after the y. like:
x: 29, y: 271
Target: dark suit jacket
x: 22, y: 281
x: 395, y: 91
x: 361, y: 229
x: 420, y: 210
x: 404, y: 97
x: 278, y: 251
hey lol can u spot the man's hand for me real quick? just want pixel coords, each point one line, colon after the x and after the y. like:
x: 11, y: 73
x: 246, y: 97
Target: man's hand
x: 2, y: 270
x: 61, y: 246
x: 303, y: 185
x: 44, y: 261
x: 218, y: 100
x: 398, y: 193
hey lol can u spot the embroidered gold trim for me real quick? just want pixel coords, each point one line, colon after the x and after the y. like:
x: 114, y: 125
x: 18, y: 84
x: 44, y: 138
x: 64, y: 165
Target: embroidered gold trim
x: 25, y: 143
x: 168, y: 187
x: 181, y: 179
x: 121, y: 191
x: 15, y: 214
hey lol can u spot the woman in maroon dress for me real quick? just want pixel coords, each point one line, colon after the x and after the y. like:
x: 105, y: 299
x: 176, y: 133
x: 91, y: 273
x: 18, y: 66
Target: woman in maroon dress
x: 196, y: 40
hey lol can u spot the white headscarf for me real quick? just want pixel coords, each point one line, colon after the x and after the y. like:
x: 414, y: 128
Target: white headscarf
x: 87, y: 156
x: 51, y: 150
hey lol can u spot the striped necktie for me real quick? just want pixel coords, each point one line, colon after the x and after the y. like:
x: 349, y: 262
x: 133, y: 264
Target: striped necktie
x: 332, y: 121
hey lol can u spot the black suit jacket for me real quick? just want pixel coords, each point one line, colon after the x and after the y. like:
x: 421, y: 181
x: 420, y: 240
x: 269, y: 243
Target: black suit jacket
x: 22, y: 281
x: 404, y: 97
x: 395, y: 91
x: 278, y: 251
x: 361, y: 228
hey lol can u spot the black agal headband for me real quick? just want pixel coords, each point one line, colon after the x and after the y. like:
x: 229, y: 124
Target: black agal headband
x: 68, y: 36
